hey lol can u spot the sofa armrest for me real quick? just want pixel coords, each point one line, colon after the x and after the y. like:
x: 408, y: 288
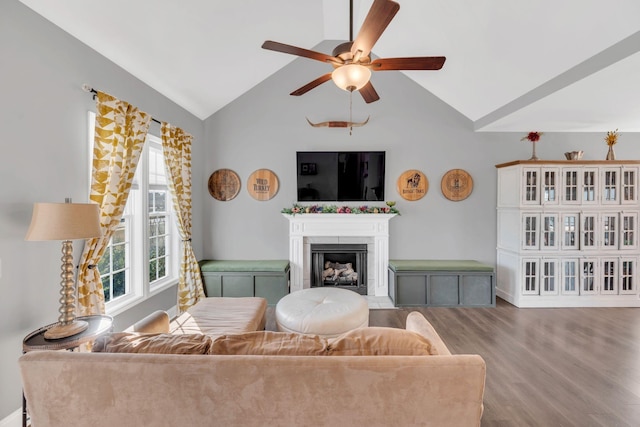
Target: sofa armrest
x: 417, y: 323
x: 155, y: 323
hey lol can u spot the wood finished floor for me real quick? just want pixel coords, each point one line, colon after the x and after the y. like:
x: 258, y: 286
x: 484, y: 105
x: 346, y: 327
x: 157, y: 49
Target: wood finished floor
x: 545, y: 367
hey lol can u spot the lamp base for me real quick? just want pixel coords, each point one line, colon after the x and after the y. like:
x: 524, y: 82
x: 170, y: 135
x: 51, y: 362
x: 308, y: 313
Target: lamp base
x: 59, y: 330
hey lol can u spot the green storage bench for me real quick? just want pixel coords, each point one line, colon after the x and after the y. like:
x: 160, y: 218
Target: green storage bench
x: 441, y: 283
x: 268, y: 279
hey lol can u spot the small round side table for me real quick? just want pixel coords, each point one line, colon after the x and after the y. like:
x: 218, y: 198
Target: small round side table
x: 98, y: 325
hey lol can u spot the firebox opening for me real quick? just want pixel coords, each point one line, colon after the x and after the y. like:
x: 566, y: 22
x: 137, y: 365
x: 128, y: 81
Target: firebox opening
x: 340, y: 265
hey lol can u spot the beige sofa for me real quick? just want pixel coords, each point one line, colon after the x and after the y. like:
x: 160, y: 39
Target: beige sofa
x: 123, y: 389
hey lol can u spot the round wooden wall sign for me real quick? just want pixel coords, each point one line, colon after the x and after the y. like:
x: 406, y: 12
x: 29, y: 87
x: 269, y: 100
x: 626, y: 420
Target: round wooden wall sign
x: 263, y: 184
x: 412, y: 185
x: 224, y: 185
x: 456, y: 185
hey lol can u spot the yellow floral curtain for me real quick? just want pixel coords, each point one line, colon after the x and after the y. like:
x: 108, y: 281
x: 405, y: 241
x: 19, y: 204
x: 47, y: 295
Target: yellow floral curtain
x: 176, y: 146
x: 120, y: 133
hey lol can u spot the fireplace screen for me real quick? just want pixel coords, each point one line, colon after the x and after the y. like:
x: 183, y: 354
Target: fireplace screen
x: 339, y: 265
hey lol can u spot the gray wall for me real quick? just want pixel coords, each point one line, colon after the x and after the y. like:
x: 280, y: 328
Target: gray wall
x: 44, y: 158
x: 43, y: 124
x: 265, y: 127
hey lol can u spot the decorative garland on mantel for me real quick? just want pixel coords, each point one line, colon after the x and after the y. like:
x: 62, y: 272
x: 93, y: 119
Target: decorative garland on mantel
x: 320, y: 209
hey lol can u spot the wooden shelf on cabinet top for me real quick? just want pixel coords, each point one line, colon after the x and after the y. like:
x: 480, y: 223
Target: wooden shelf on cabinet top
x: 569, y: 162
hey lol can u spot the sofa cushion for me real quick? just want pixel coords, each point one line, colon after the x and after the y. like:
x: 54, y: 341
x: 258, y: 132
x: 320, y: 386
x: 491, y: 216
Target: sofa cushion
x: 218, y: 316
x: 269, y: 343
x: 380, y: 341
x: 124, y: 342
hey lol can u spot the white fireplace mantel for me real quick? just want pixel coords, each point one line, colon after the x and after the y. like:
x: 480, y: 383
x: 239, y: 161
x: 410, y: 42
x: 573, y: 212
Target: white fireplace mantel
x: 372, y: 229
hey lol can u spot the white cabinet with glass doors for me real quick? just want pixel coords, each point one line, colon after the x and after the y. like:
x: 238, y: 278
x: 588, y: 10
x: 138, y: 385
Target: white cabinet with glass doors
x: 577, y: 223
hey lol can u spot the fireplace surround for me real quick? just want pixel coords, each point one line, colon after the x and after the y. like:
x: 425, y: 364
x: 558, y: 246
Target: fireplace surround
x: 371, y: 230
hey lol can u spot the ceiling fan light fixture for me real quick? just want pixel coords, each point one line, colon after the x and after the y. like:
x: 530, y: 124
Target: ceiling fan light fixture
x: 352, y: 60
x: 351, y: 77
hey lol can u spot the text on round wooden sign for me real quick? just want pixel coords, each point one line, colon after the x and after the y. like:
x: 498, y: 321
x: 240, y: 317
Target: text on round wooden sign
x: 456, y: 185
x: 262, y: 184
x: 412, y: 185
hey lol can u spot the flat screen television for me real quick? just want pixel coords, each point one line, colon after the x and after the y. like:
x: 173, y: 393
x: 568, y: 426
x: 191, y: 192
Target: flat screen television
x: 340, y: 176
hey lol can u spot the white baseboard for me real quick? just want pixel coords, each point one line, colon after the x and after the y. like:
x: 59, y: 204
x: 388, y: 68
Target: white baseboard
x: 172, y: 312
x: 14, y: 419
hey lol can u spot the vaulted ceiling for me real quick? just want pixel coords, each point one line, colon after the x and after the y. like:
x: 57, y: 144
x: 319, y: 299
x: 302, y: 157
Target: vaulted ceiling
x: 512, y: 65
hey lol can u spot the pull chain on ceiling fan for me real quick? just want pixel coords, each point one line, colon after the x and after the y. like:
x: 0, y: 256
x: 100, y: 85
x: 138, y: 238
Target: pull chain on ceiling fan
x: 351, y: 60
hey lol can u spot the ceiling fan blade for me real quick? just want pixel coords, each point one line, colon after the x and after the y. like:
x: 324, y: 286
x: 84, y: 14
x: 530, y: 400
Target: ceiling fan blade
x: 416, y: 63
x: 379, y: 16
x: 293, y: 50
x: 368, y: 93
x: 311, y: 85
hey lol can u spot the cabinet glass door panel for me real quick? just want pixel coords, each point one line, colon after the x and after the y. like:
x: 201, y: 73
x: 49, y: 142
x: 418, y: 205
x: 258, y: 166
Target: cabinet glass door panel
x: 627, y: 281
x: 548, y: 277
x: 530, y: 231
x: 550, y: 186
x: 570, y: 238
x: 530, y: 273
x: 570, y: 187
x: 609, y: 230
x: 609, y: 276
x: 629, y: 185
x: 588, y: 231
x: 628, y: 235
x: 549, y: 238
x: 609, y: 181
x: 570, y: 277
x: 589, y: 194
x: 531, y: 187
x: 588, y: 269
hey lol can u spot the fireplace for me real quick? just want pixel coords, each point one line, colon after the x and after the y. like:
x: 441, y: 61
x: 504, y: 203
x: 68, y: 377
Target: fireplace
x: 371, y: 230
x: 339, y: 265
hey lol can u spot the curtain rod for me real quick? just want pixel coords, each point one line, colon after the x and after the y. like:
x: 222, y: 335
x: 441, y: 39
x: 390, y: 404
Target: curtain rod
x: 89, y: 89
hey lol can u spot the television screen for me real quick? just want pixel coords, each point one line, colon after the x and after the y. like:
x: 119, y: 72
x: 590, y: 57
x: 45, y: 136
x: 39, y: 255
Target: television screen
x: 340, y: 176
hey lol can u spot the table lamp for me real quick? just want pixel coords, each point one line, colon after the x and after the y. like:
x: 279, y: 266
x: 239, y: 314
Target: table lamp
x: 65, y: 221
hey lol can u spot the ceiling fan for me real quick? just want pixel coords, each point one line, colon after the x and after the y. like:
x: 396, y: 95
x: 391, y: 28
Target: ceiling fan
x: 351, y: 61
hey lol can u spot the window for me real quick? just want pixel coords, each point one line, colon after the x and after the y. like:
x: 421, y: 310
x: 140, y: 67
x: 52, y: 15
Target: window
x: 158, y: 201
x: 113, y: 266
x: 142, y: 256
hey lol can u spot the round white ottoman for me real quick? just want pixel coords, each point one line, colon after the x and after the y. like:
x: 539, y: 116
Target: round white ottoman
x: 323, y: 311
